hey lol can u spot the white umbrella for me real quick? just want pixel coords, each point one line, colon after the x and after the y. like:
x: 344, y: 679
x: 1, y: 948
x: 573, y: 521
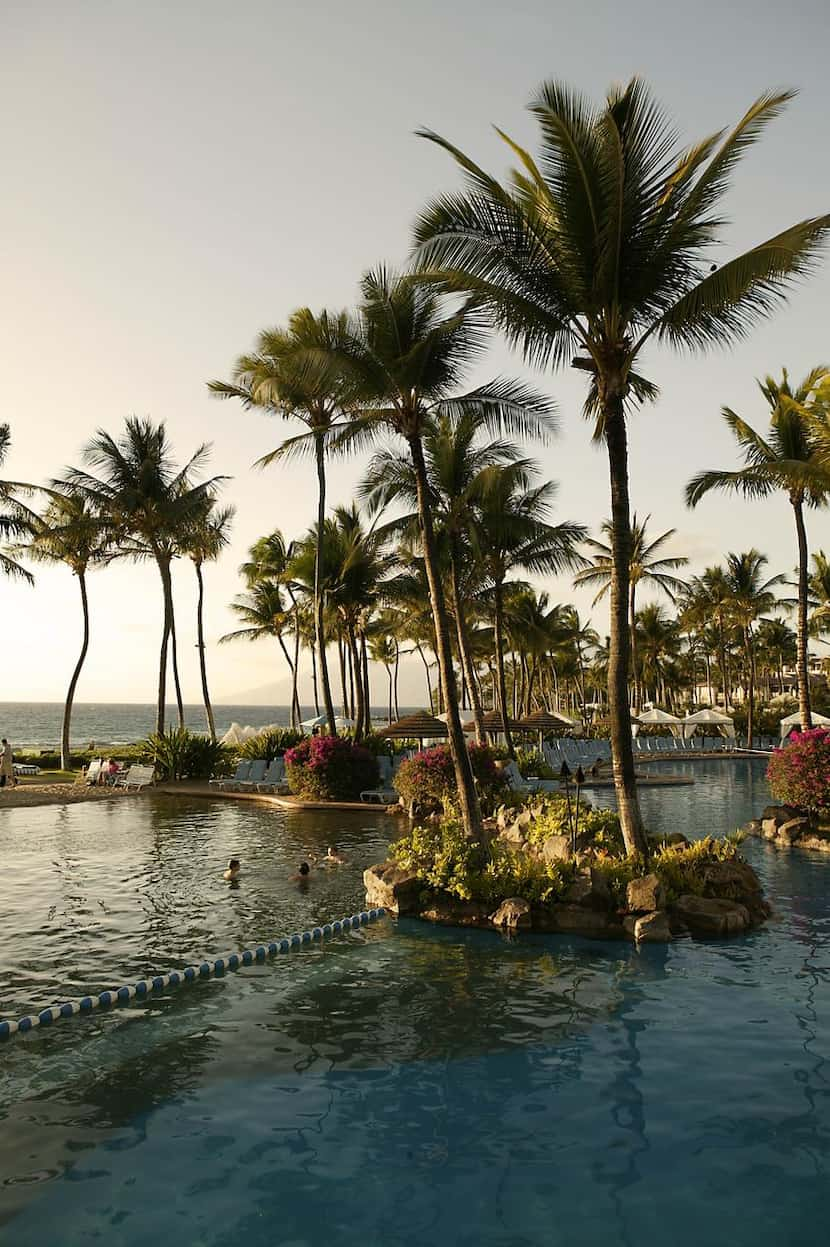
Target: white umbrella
x: 794, y: 720
x: 322, y: 721
x: 662, y: 716
x: 708, y: 718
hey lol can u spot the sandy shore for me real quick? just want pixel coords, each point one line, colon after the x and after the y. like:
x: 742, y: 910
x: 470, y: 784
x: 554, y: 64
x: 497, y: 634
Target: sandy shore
x: 56, y: 794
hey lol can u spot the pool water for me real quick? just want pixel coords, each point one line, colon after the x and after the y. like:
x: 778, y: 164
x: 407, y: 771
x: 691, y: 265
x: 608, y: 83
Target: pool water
x: 401, y: 1083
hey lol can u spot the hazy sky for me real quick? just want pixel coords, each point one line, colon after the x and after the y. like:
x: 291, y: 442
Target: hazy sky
x: 176, y: 177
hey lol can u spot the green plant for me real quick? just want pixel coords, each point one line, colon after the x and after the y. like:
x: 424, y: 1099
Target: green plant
x: 269, y: 744
x: 180, y: 754
x: 531, y: 762
x: 682, y: 868
x: 599, y: 829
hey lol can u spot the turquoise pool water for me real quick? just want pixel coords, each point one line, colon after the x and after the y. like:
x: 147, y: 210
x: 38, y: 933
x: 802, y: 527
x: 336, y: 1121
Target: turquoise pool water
x: 401, y: 1084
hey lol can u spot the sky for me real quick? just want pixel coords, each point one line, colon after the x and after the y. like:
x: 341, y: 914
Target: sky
x: 178, y: 177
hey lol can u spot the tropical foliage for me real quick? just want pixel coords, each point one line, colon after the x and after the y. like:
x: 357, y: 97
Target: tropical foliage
x: 330, y: 768
x: 799, y: 774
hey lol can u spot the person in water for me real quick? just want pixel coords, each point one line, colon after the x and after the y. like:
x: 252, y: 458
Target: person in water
x: 234, y: 869
x: 332, y: 857
x: 303, y: 875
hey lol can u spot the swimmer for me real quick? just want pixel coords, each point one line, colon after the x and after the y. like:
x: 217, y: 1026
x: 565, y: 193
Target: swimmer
x: 303, y: 875
x: 332, y: 857
x: 234, y: 869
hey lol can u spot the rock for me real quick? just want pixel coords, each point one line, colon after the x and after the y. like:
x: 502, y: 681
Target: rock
x: 653, y: 928
x: 752, y: 828
x: 779, y: 813
x: 524, y: 819
x: 390, y: 887
x: 629, y: 924
x: 590, y: 889
x: 450, y: 911
x: 557, y: 849
x: 712, y: 915
x: 769, y: 828
x: 814, y: 840
x: 513, y: 913
x: 577, y: 920
x: 513, y: 834
x: 733, y: 880
x: 646, y: 894
x: 790, y: 831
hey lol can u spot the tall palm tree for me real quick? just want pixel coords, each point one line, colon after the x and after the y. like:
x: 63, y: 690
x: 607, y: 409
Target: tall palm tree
x: 588, y: 254
x: 294, y: 373
x: 647, y: 565
x: 511, y: 533
x: 407, y: 358
x: 751, y: 596
x: 202, y: 542
x: 148, y: 501
x: 659, y: 644
x: 271, y: 560
x: 455, y: 456
x: 262, y: 613
x: 17, y: 520
x: 70, y: 532
x: 819, y: 589
x: 789, y: 460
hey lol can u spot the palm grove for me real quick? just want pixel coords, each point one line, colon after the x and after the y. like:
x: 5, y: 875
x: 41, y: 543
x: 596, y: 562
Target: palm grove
x: 596, y: 246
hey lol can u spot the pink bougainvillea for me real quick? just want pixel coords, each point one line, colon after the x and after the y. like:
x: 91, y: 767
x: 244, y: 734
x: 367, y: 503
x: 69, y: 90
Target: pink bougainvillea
x: 799, y: 773
x: 429, y: 778
x: 329, y: 768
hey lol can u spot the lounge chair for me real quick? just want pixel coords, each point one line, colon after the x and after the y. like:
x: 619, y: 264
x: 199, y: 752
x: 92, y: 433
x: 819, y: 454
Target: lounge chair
x: 255, y: 776
x: 274, y: 778
x: 135, y: 777
x: 242, y: 772
x: 93, y: 771
x: 516, y: 780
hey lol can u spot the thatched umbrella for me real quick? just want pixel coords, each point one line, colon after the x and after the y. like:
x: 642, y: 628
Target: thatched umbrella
x: 420, y: 726
x: 545, y: 722
x: 493, y: 724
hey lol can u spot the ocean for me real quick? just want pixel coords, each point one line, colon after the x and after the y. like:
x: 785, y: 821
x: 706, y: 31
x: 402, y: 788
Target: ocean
x: 37, y: 725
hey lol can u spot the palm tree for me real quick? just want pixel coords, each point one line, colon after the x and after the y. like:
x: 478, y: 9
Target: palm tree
x: 148, y: 502
x: 788, y: 460
x: 511, y: 533
x: 407, y: 356
x: 294, y: 373
x: 750, y: 596
x: 202, y: 543
x: 70, y: 532
x: 819, y: 589
x: 455, y: 456
x: 17, y: 521
x: 586, y: 255
x: 647, y: 565
x: 262, y: 613
x: 270, y: 560
x: 658, y: 639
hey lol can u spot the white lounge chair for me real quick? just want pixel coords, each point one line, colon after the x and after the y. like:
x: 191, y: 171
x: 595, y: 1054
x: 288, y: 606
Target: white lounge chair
x: 135, y: 777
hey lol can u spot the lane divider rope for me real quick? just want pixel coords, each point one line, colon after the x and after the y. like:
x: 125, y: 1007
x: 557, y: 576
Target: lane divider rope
x: 190, y: 974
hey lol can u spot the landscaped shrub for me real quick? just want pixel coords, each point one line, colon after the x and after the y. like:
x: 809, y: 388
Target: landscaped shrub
x: 598, y: 829
x: 444, y: 858
x: 799, y: 774
x: 180, y: 754
x: 531, y: 762
x: 330, y: 768
x: 428, y: 779
x: 269, y: 745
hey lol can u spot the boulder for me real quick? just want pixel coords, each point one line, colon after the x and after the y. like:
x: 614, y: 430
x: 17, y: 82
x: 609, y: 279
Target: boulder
x: 653, y: 928
x: 733, y: 880
x: 590, y: 889
x: 752, y: 828
x: 450, y: 911
x: 712, y: 915
x: 645, y: 895
x: 557, y: 849
x: 814, y: 840
x: 513, y: 835
x: 779, y: 813
x: 792, y: 830
x: 513, y: 913
x: 769, y: 828
x: 390, y: 887
x: 577, y: 920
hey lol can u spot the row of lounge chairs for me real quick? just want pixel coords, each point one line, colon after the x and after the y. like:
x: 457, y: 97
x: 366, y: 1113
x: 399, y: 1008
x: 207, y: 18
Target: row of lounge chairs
x: 137, y: 776
x: 255, y: 776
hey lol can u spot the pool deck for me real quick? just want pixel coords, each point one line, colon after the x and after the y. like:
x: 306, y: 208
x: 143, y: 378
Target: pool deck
x: 191, y: 788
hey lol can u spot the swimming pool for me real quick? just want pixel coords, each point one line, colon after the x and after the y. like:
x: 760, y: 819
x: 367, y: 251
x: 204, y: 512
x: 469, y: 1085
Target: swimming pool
x: 400, y: 1083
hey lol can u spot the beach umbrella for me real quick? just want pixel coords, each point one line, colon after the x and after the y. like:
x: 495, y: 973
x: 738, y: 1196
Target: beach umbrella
x: 709, y: 718
x: 545, y: 722
x: 794, y: 720
x: 493, y: 724
x: 420, y: 726
x: 662, y: 717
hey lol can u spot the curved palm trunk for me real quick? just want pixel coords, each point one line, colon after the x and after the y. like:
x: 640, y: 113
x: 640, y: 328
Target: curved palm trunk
x: 200, y: 645
x: 367, y: 683
x: 163, y: 563
x: 357, y: 687
x: 289, y: 663
x: 395, y: 681
x: 426, y: 672
x: 174, y: 652
x: 467, y: 795
x: 314, y: 680
x: 619, y: 657
x: 632, y: 624
x: 802, y: 667
x: 498, y: 629
x: 319, y: 622
x: 66, y: 757
x: 464, y: 649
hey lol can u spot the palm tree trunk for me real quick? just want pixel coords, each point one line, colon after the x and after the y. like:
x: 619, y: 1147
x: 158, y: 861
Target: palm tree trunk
x: 200, y: 645
x: 464, y: 649
x: 802, y: 666
x: 467, y: 795
x: 314, y: 680
x: 164, y: 571
x: 397, y: 664
x: 359, y: 715
x: 619, y: 656
x: 319, y: 621
x: 341, y: 652
x: 430, y: 707
x: 498, y: 633
x: 389, y: 677
x: 367, y: 687
x: 635, y: 671
x: 289, y: 663
x: 66, y: 758
x: 174, y: 655
x: 750, y: 667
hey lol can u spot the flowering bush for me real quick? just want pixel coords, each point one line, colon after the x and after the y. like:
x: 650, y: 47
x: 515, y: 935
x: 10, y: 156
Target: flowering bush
x: 799, y: 774
x: 428, y: 779
x: 329, y: 768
